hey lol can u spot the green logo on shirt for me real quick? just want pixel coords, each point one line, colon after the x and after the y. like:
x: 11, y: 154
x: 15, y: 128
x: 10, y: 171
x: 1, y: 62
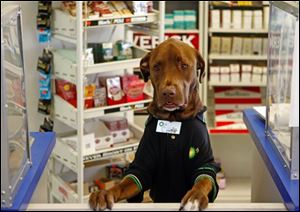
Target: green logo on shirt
x: 193, y: 152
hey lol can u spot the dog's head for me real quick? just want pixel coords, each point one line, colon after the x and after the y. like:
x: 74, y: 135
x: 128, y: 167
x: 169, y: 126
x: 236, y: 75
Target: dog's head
x: 175, y: 69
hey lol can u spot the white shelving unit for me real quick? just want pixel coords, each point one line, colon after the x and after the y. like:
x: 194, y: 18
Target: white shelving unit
x: 224, y: 59
x: 238, y: 31
x: 237, y: 84
x: 74, y: 69
x: 237, y: 57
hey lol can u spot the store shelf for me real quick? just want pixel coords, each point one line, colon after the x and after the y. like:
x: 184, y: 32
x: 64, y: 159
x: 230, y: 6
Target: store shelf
x: 144, y: 29
x: 18, y: 71
x: 178, y: 31
x: 66, y: 155
x: 240, y: 84
x: 67, y: 113
x: 237, y: 57
x: 65, y: 64
x: 123, y: 20
x: 238, y: 31
x: 65, y: 25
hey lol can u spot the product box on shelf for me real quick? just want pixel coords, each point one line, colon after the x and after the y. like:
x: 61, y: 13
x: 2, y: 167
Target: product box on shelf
x: 225, y: 74
x: 257, y: 46
x: 264, y: 75
x: 66, y: 90
x: 101, y: 9
x: 89, y: 93
x: 100, y: 97
x: 138, y: 7
x: 237, y: 44
x: 235, y: 72
x: 247, y: 46
x: 229, y: 103
x: 266, y: 17
x: 102, y: 139
x: 265, y: 46
x: 118, y: 128
x: 178, y: 19
x: 115, y: 94
x: 121, y: 7
x: 226, y: 19
x: 237, y: 19
x: 246, y: 73
x: 247, y: 19
x: 257, y: 19
x: 257, y: 74
x: 215, y: 45
x: 190, y: 19
x: 169, y: 20
x: 226, y: 45
x: 215, y: 19
x: 214, y: 73
x: 133, y: 88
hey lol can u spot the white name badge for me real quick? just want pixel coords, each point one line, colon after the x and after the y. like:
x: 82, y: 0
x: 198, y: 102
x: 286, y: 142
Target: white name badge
x: 168, y: 127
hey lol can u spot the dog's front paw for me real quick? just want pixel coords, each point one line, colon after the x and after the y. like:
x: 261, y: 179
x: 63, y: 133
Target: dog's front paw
x: 101, y: 200
x: 194, y: 200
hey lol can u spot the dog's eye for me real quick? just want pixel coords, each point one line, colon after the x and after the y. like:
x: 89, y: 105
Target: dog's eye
x: 156, y: 67
x: 184, y: 66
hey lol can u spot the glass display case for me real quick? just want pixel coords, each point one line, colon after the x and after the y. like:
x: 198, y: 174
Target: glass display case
x: 282, y: 125
x: 15, y: 145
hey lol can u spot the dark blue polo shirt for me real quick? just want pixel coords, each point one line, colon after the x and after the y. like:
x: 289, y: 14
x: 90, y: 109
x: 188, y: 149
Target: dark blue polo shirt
x: 169, y: 165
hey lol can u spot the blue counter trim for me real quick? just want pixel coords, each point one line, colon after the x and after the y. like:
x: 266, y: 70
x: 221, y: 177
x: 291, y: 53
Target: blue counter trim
x: 289, y: 189
x: 40, y: 153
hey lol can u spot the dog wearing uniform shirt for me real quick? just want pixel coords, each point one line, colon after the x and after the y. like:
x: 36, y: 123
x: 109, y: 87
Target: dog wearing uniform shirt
x: 174, y: 158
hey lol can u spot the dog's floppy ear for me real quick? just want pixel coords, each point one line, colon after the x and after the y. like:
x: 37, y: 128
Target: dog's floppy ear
x: 200, y: 66
x: 145, y: 66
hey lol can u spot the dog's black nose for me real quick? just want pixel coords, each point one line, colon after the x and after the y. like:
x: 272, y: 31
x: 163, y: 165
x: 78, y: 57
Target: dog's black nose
x: 169, y: 91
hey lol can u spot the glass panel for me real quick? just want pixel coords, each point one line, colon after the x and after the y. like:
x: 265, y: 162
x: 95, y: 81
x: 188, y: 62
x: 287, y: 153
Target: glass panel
x: 16, y: 119
x: 281, y: 48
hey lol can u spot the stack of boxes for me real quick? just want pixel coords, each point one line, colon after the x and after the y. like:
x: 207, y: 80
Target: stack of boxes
x: 239, y: 19
x: 238, y: 45
x: 229, y: 103
x: 181, y: 19
x: 244, y: 73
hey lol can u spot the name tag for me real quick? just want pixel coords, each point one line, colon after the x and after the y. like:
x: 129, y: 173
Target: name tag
x: 168, y: 127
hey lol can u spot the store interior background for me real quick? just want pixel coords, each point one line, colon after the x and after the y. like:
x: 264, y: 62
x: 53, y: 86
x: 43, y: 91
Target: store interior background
x: 234, y: 151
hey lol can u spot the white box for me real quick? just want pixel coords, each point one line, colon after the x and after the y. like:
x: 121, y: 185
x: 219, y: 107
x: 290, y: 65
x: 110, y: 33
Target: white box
x: 225, y: 74
x: 237, y: 44
x: 226, y: 19
x: 266, y: 17
x: 215, y: 45
x: 120, y: 135
x: 265, y: 46
x: 257, y: 74
x: 215, y: 19
x: 257, y: 46
x: 247, y: 46
x: 246, y: 73
x: 214, y: 73
x: 258, y: 19
x: 225, y: 45
x: 264, y: 75
x: 247, y: 19
x: 103, y: 139
x: 237, y: 19
x: 235, y: 72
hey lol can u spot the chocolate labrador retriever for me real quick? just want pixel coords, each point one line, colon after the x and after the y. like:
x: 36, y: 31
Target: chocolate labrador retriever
x: 174, y: 158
